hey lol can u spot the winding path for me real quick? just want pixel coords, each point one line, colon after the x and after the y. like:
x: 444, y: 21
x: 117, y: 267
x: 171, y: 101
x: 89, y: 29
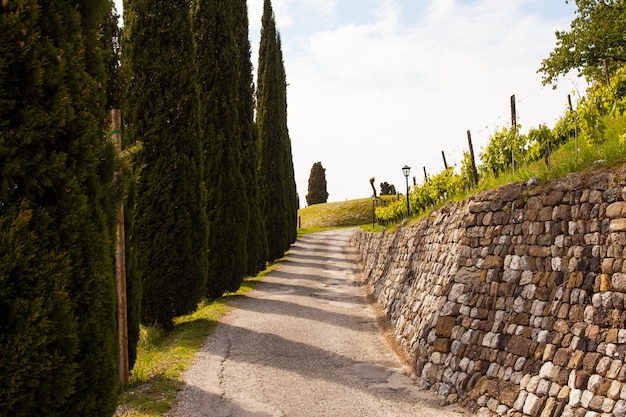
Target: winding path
x: 305, y: 342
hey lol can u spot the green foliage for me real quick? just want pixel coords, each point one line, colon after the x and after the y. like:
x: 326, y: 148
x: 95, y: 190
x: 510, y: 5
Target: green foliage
x: 256, y: 240
x: 438, y: 188
x: 601, y: 101
x: 467, y: 171
x: 596, y: 37
x: 57, y: 208
x: 387, y: 189
x: 170, y: 227
x: 276, y: 174
x: 38, y: 336
x: 498, y: 154
x: 541, y: 140
x: 228, y: 211
x: 317, y: 185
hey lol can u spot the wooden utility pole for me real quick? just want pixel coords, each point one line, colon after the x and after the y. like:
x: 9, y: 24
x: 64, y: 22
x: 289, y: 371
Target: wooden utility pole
x: 120, y: 267
x: 471, y: 149
x: 514, y: 126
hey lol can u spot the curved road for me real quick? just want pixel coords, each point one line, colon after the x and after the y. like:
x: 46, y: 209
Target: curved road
x: 305, y: 342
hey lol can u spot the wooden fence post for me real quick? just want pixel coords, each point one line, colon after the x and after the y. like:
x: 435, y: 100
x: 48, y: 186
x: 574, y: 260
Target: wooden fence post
x: 471, y: 149
x: 514, y: 126
x: 120, y: 266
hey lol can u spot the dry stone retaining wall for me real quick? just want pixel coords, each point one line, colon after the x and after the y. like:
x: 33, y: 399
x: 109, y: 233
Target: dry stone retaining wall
x: 512, y: 301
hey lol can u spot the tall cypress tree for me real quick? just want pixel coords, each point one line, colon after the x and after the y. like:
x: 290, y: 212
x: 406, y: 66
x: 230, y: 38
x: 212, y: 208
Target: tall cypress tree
x: 275, y: 161
x: 56, y: 214
x: 170, y: 227
x: 291, y: 192
x: 227, y: 203
x: 256, y: 239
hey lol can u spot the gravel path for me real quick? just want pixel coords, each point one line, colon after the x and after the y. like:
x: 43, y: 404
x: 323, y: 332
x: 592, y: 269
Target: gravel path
x: 305, y: 342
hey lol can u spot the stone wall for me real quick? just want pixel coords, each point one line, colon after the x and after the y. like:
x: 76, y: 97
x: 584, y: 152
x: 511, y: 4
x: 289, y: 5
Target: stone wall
x: 512, y: 301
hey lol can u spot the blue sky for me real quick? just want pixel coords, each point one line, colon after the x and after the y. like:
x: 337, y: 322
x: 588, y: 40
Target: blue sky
x: 377, y: 84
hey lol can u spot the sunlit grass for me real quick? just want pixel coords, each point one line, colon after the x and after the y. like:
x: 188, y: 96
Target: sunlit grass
x: 163, y: 357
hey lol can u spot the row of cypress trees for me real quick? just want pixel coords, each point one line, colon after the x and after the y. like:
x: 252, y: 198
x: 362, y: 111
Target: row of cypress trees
x: 209, y: 193
x: 58, y: 349
x: 216, y: 197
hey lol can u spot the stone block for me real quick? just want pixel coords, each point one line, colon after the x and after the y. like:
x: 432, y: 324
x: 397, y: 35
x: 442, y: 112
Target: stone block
x: 508, y: 394
x: 546, y: 370
x: 492, y: 262
x: 620, y: 408
x: 562, y: 357
x: 533, y: 405
x: 549, y: 408
x: 564, y: 393
x: 432, y: 372
x: 593, y: 384
x: 552, y: 199
x: 519, y: 346
x: 539, y: 251
x: 575, y: 398
x: 618, y: 282
x: 442, y: 345
x: 549, y: 352
x: 617, y: 225
x: 562, y: 213
x: 590, y: 362
x: 596, y: 403
x: 444, y: 326
x: 581, y: 379
x: 586, y: 398
x: 605, y: 386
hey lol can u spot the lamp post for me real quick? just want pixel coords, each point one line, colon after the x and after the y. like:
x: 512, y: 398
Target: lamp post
x: 406, y: 170
x: 373, y: 211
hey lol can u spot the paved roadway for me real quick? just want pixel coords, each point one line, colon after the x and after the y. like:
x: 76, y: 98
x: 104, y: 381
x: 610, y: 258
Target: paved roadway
x: 305, y: 342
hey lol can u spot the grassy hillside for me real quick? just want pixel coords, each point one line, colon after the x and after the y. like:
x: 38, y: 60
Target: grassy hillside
x: 340, y: 214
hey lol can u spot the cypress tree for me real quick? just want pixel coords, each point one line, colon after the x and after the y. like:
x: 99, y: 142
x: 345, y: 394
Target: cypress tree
x: 227, y: 204
x: 291, y: 192
x: 57, y: 286
x: 275, y: 161
x: 170, y: 228
x: 256, y: 239
x: 317, y: 185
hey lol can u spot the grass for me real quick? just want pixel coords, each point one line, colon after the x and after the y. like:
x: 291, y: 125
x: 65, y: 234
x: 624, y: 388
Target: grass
x: 349, y: 213
x: 163, y: 357
x: 340, y: 214
x: 565, y: 160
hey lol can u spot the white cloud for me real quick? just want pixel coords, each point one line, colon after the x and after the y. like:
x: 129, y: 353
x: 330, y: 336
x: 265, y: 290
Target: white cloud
x: 364, y: 99
x: 376, y: 84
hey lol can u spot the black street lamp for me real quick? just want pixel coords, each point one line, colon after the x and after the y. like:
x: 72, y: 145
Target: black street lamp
x: 406, y: 170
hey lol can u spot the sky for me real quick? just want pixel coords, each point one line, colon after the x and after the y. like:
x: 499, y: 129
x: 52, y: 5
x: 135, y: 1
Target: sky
x: 374, y: 85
